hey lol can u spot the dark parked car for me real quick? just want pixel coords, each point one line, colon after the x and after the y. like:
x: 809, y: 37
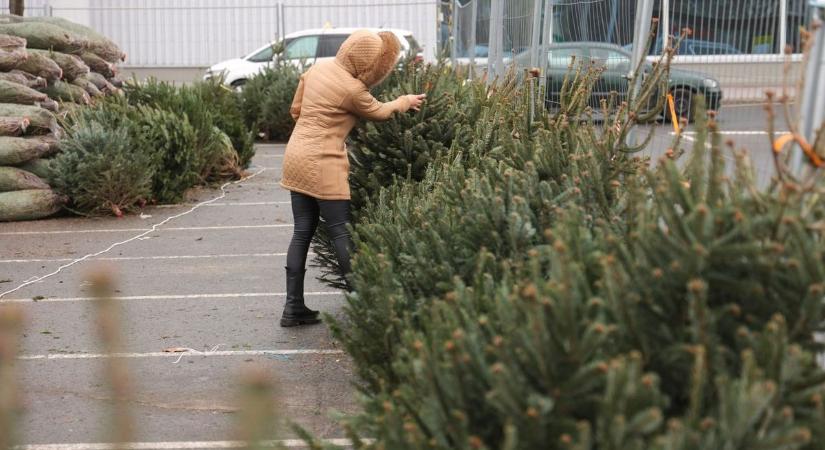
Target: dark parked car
x: 693, y: 47
x: 683, y: 84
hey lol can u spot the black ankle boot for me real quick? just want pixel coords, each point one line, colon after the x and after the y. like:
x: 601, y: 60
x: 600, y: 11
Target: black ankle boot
x: 295, y: 311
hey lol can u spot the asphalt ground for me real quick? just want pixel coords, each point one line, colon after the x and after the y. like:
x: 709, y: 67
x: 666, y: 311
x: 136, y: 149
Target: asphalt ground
x: 211, y: 281
x: 745, y: 125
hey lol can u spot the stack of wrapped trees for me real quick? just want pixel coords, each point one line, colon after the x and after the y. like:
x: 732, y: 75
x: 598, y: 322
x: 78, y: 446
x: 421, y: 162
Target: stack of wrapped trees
x: 48, y: 66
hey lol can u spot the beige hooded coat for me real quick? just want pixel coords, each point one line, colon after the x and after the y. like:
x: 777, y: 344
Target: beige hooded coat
x: 330, y: 97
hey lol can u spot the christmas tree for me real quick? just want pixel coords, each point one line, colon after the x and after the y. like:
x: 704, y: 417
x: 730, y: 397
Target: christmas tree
x: 507, y: 303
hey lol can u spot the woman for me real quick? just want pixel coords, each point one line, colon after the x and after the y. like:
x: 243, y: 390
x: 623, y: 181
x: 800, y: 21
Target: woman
x: 330, y: 97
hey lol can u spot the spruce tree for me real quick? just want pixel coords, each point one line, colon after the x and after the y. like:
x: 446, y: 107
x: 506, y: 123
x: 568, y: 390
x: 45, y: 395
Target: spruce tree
x: 681, y: 316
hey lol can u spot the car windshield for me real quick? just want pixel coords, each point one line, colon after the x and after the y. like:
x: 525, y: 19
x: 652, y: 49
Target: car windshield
x: 264, y: 55
x: 302, y: 48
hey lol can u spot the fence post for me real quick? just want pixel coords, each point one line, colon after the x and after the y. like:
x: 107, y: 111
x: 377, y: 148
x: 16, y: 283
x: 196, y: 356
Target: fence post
x: 665, y: 21
x: 47, y: 9
x: 644, y: 15
x: 453, y: 32
x: 495, y: 61
x: 783, y: 25
x: 547, y: 39
x: 472, y: 43
x: 283, y: 20
x: 812, y: 112
x: 535, y: 38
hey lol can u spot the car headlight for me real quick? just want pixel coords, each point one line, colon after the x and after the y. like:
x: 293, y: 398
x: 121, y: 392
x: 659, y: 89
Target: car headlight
x: 711, y: 84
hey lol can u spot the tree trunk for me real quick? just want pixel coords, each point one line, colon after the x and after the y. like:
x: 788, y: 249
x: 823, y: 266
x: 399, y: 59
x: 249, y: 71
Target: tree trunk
x: 17, y: 7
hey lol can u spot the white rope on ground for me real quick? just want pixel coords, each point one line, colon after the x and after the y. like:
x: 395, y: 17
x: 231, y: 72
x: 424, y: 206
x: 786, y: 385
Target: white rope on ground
x: 185, y: 351
x: 154, y: 228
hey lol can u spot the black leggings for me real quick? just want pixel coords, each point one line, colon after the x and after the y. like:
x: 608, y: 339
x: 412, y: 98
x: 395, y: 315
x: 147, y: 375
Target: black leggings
x: 306, y: 211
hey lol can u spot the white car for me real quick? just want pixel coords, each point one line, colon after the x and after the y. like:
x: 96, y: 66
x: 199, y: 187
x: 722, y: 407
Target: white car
x: 302, y: 47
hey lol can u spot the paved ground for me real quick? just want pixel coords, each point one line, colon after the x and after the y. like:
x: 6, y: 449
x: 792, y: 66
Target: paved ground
x: 745, y: 125
x: 210, y: 279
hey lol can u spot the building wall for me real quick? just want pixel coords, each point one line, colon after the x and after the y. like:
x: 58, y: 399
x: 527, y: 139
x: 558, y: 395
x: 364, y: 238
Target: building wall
x: 199, y: 33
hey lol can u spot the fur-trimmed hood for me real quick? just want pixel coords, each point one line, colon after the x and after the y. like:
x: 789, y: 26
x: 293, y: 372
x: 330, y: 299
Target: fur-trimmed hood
x: 369, y: 56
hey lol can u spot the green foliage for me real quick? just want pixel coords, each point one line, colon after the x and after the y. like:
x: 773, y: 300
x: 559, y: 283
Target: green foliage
x: 381, y: 152
x: 175, y: 145
x: 401, y: 149
x: 228, y: 117
x: 164, y: 146
x: 266, y: 99
x: 541, y: 288
x: 207, y: 105
x: 180, y: 136
x: 100, y: 170
x: 467, y: 120
x: 500, y: 199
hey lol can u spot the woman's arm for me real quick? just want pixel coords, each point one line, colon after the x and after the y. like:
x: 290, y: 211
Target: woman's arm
x: 295, y: 108
x: 365, y: 105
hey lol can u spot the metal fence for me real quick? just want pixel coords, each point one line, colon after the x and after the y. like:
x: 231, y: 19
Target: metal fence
x: 199, y: 33
x: 733, y: 50
x: 740, y: 43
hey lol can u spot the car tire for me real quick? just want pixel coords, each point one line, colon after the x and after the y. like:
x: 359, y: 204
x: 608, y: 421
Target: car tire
x: 682, y: 103
x: 237, y: 85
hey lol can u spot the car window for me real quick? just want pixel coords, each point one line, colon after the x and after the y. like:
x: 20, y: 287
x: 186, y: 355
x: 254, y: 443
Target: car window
x: 302, y: 48
x: 610, y: 59
x: 561, y: 57
x: 264, y: 55
x: 329, y: 44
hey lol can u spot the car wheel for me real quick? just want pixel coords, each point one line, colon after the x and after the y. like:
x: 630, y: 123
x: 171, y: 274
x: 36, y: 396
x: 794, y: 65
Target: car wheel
x: 237, y: 85
x: 682, y: 103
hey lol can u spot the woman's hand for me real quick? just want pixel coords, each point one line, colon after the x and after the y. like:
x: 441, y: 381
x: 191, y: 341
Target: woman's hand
x: 416, y: 101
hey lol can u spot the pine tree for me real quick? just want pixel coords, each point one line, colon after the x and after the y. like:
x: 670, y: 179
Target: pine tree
x: 464, y: 120
x: 266, y: 99
x: 677, y: 311
x: 382, y: 153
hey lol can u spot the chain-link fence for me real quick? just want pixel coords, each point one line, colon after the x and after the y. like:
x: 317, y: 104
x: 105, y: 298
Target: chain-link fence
x: 748, y: 48
x: 729, y: 52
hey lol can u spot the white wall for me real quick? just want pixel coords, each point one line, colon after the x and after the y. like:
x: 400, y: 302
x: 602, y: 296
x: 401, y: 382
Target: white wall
x: 33, y: 7
x: 199, y: 33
